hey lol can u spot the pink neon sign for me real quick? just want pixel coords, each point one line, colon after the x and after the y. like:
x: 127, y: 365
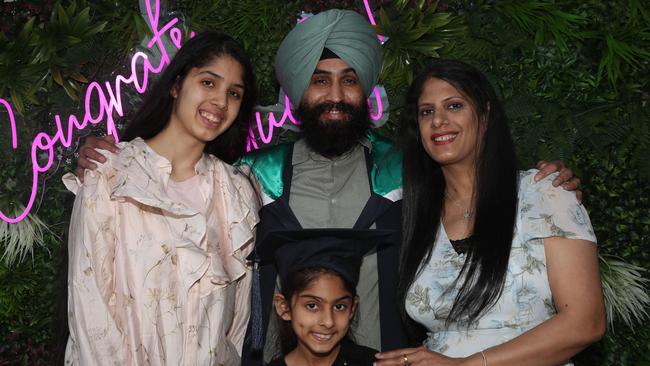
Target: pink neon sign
x: 371, y: 18
x: 108, y: 98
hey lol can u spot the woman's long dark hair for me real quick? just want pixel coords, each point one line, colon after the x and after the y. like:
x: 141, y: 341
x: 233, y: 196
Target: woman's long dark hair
x: 496, y: 180
x: 157, y: 106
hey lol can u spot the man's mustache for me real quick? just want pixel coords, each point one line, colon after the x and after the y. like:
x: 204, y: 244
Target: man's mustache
x: 328, y: 107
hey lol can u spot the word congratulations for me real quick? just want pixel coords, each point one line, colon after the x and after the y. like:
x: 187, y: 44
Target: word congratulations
x: 103, y: 101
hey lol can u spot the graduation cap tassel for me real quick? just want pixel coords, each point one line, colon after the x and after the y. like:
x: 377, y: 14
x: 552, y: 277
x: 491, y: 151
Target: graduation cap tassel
x: 256, y: 311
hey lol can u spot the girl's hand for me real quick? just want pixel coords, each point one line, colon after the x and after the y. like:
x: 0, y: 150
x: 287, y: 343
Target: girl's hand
x: 420, y: 356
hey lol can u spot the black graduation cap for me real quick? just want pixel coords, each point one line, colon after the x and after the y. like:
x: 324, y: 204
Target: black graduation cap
x: 340, y: 250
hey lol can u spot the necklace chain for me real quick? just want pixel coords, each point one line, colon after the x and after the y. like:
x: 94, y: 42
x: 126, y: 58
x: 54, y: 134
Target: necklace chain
x: 467, y: 213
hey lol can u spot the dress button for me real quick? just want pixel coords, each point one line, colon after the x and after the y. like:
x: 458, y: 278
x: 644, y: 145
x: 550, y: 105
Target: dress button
x: 333, y: 200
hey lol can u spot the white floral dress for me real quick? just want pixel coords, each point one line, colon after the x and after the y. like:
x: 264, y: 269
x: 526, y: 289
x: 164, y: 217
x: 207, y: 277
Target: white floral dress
x: 526, y: 301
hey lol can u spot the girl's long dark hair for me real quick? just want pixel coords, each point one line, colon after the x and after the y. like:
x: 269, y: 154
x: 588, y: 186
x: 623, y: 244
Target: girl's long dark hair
x: 156, y: 108
x: 496, y: 180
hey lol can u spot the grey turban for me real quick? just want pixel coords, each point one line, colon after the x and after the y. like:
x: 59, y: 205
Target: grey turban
x: 344, y: 32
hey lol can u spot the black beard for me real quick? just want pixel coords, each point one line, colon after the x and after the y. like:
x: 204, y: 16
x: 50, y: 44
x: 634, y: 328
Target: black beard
x: 333, y: 138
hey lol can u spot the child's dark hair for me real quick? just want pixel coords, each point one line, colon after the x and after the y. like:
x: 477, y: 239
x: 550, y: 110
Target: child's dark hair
x: 296, y: 282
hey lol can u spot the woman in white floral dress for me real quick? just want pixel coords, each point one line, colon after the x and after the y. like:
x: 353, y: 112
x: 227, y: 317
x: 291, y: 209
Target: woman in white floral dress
x: 160, y: 232
x: 497, y: 268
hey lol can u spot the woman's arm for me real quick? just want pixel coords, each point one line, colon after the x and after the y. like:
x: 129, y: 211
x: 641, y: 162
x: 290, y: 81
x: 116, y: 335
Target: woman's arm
x: 573, y: 275
x: 572, y: 267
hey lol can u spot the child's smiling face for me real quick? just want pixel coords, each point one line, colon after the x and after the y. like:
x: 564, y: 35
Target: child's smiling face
x: 320, y: 315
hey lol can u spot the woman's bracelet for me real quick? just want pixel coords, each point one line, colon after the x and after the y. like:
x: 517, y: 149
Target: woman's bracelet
x: 484, y: 358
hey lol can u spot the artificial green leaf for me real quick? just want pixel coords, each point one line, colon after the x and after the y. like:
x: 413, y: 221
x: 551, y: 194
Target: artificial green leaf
x: 56, y: 75
x: 79, y: 77
x: 63, y: 18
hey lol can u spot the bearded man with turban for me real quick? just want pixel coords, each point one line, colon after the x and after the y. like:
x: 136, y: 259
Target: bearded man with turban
x: 339, y: 175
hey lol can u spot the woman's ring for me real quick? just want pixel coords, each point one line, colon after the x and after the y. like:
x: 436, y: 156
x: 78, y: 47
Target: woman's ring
x: 406, y: 360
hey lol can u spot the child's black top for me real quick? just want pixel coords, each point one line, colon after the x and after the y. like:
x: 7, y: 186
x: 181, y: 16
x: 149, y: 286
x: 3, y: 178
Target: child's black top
x: 350, y: 355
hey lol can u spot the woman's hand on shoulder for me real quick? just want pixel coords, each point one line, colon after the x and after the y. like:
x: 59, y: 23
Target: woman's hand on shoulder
x: 419, y: 356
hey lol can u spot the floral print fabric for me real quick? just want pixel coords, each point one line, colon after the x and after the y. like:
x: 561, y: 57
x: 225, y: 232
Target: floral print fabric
x: 526, y: 301
x: 152, y: 281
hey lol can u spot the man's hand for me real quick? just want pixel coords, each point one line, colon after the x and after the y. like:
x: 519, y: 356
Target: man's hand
x: 88, y: 152
x: 565, y: 178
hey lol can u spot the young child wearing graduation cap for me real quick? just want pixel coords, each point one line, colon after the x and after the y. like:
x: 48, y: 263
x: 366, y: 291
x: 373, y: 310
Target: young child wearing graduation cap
x: 319, y: 272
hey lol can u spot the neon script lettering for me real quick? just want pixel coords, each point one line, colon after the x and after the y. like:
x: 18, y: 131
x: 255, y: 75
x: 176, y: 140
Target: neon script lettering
x: 371, y: 18
x: 106, y: 97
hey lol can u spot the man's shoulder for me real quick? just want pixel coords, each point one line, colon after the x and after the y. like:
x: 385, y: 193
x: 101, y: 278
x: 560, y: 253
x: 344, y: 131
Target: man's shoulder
x: 380, y: 141
x: 267, y: 166
x: 387, y: 167
x: 385, y: 151
x: 260, y: 158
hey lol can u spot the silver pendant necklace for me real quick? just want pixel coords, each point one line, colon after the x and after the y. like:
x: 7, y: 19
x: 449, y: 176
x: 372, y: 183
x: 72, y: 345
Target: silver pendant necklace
x: 467, y: 214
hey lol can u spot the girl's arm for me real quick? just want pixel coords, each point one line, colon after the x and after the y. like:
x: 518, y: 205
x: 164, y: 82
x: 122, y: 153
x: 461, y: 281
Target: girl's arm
x: 95, y: 338
x: 237, y: 330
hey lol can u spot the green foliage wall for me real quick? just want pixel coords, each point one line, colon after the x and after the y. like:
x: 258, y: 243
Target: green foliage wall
x: 574, y: 76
